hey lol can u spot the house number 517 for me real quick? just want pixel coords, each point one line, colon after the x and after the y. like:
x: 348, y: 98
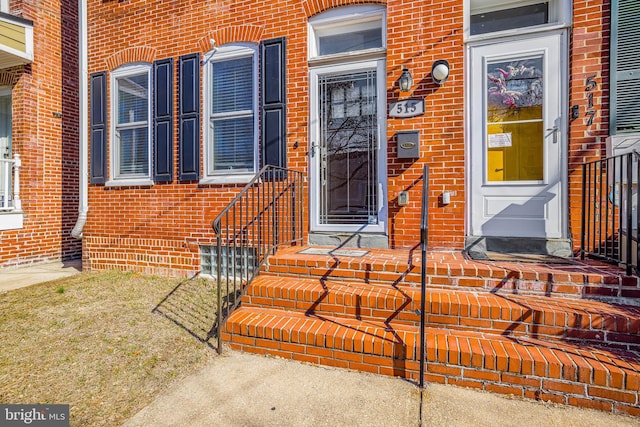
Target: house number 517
x: 590, y: 86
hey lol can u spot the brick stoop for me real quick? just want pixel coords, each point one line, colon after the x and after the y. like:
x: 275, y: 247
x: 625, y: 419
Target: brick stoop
x: 362, y: 313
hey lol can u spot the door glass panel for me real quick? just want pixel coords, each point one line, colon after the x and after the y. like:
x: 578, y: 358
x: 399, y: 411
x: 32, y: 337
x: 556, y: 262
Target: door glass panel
x: 348, y: 144
x: 515, y: 127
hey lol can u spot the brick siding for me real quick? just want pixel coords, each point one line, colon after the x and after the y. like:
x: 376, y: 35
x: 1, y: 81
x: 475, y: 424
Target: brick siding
x: 418, y: 33
x: 45, y: 134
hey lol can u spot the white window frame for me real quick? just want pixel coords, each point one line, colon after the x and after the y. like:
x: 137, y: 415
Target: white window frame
x: 560, y: 16
x: 116, y: 178
x: 4, y: 6
x: 222, y: 53
x: 342, y: 21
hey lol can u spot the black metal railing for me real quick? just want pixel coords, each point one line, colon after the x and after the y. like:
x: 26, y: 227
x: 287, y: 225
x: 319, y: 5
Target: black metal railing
x: 609, y: 204
x: 424, y: 241
x: 267, y: 213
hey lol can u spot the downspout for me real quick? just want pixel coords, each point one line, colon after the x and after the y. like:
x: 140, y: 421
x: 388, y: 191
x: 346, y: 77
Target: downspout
x: 83, y: 184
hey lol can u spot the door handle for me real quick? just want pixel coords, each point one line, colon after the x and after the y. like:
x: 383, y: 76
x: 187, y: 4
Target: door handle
x: 553, y: 131
x: 312, y: 149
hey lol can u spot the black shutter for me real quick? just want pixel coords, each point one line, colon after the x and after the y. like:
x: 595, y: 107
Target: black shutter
x: 189, y: 117
x: 273, y: 98
x: 98, y: 127
x: 163, y: 120
x: 625, y: 67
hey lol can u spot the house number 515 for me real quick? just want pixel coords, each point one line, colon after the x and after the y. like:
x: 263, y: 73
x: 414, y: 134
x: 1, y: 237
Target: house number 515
x: 407, y: 108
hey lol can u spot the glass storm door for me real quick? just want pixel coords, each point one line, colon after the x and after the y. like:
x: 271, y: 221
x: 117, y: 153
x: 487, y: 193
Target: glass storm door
x: 516, y: 138
x: 347, y: 191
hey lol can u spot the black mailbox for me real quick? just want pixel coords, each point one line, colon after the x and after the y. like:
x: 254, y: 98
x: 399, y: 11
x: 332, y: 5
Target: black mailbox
x: 408, y: 144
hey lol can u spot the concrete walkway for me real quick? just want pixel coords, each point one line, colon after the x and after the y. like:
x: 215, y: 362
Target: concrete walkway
x: 238, y: 389
x: 14, y: 278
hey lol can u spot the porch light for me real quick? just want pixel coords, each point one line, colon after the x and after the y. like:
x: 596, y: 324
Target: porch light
x: 440, y: 71
x: 406, y: 81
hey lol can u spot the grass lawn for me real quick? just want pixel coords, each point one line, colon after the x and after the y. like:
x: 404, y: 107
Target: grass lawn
x: 105, y: 343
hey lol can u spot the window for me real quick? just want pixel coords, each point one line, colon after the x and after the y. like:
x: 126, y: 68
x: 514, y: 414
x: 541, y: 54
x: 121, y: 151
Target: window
x: 347, y: 30
x: 4, y: 6
x: 507, y: 19
x: 493, y: 16
x: 131, y: 118
x: 230, y: 109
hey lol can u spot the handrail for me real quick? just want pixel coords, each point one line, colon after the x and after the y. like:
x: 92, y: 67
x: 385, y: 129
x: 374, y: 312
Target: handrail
x: 424, y: 242
x: 607, y: 226
x: 266, y: 213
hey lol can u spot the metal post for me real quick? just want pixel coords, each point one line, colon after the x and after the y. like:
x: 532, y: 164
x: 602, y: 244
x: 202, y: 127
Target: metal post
x: 219, y: 283
x: 629, y: 213
x: 424, y: 237
x: 584, y: 210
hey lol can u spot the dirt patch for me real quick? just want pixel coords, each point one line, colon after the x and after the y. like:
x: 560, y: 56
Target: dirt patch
x: 104, y: 343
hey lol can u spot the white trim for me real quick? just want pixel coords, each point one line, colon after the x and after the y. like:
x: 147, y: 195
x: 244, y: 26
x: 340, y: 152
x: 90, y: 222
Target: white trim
x: 348, y: 19
x: 124, y: 71
x: 223, y: 53
x: 560, y: 16
x: 315, y: 72
x: 4, y: 6
x: 227, y: 179
x: 129, y: 183
x: 11, y: 221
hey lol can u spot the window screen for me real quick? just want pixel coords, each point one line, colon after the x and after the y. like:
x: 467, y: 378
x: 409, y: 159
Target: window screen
x: 232, y: 135
x: 132, y: 127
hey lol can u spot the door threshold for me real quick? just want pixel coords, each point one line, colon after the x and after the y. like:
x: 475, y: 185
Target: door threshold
x: 349, y: 240
x: 479, y: 247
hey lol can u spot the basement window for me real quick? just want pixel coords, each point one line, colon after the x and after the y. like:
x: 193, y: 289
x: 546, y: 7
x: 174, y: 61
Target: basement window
x: 238, y: 262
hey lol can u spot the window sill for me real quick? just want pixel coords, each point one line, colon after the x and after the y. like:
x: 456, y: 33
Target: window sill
x: 11, y: 220
x: 228, y: 179
x: 361, y: 55
x: 130, y: 183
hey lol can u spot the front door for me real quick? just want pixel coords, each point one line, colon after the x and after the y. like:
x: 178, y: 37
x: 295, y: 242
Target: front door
x: 516, y: 138
x: 347, y: 173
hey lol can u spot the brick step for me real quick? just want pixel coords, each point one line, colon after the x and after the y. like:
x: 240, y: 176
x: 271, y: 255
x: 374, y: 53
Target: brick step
x: 452, y: 270
x: 555, y: 371
x: 593, y: 322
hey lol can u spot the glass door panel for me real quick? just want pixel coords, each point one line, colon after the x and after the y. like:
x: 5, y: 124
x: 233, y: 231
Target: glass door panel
x: 348, y: 148
x: 515, y: 123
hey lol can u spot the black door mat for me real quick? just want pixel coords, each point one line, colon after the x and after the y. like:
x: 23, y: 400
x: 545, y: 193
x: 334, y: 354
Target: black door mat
x: 517, y: 257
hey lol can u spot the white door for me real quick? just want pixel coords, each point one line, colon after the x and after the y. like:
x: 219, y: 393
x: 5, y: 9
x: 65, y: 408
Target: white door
x: 517, y: 138
x: 348, y: 176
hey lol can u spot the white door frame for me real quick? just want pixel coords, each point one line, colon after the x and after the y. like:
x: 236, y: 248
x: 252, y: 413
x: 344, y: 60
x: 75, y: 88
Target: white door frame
x: 475, y: 83
x: 314, y: 137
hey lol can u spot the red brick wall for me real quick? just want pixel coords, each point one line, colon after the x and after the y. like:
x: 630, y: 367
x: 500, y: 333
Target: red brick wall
x: 589, y: 46
x: 169, y: 220
x: 45, y: 134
